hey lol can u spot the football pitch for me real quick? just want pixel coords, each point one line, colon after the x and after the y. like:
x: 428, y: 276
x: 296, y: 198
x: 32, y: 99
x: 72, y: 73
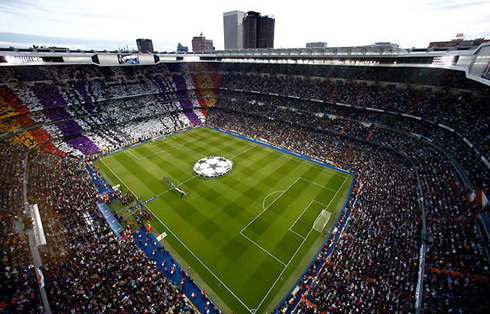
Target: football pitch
x: 245, y: 237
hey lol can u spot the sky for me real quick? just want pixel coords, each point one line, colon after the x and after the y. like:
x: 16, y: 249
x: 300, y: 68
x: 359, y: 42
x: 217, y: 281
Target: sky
x: 110, y: 24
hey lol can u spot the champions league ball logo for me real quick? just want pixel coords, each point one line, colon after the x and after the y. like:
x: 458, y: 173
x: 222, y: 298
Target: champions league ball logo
x: 213, y: 166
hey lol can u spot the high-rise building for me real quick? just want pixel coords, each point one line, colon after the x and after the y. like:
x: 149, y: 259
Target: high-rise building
x: 144, y: 44
x: 319, y: 44
x: 182, y: 49
x: 201, y: 44
x: 233, y: 29
x: 258, y: 31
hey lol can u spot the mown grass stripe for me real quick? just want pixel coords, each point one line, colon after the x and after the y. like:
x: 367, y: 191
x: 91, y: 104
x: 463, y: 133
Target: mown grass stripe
x: 209, y: 219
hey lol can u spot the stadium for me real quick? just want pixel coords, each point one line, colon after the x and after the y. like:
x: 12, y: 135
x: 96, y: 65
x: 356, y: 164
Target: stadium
x: 337, y: 180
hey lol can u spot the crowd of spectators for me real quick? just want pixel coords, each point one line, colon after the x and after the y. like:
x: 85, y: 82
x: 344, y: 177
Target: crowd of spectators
x: 382, y: 241
x: 67, y: 196
x: 372, y: 268
x: 457, y: 264
x: 407, y: 75
x: 466, y: 114
x: 86, y: 267
x: 82, y: 117
x: 18, y: 282
x: 110, y: 275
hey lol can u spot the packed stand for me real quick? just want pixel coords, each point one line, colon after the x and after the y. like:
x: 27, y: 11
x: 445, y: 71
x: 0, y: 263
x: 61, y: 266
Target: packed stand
x: 86, y: 267
x: 110, y: 275
x: 384, y: 228
x: 452, y: 279
x: 18, y: 280
x: 72, y: 103
x: 467, y: 114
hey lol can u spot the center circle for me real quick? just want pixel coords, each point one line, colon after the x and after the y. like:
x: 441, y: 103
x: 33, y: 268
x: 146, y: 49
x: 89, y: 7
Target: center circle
x: 212, y: 166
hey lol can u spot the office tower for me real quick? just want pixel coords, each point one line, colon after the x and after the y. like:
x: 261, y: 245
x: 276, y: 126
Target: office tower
x: 233, y: 29
x: 258, y: 31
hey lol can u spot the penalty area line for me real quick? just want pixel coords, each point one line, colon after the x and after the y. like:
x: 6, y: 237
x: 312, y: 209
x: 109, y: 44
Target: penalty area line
x: 296, y: 252
x: 270, y: 254
x: 284, y: 191
x: 322, y: 186
x: 183, y: 244
x: 282, y: 272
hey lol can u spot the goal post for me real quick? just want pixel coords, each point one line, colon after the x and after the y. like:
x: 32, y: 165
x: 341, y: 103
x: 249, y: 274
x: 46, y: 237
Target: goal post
x: 322, y: 220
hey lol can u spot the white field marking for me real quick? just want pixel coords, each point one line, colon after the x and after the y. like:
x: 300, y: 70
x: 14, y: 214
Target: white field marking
x: 286, y: 266
x: 340, y: 188
x: 122, y: 209
x: 315, y: 201
x: 170, y: 230
x: 328, y: 205
x: 282, y: 272
x: 177, y: 185
x: 129, y: 213
x: 323, y: 213
x: 264, y: 209
x: 170, y: 137
x: 196, y: 176
x: 129, y: 151
x: 331, y: 200
x: 153, y: 143
x: 304, y: 211
x: 270, y: 205
x: 286, y: 155
x: 168, y: 149
x: 298, y: 158
x: 270, y: 254
x: 292, y: 226
x: 263, y: 201
x: 322, y: 186
x: 195, y: 256
x: 296, y: 252
x: 243, y: 152
x: 299, y: 235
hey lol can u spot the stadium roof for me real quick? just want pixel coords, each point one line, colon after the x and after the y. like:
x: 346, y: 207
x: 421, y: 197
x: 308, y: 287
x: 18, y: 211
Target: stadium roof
x: 472, y: 60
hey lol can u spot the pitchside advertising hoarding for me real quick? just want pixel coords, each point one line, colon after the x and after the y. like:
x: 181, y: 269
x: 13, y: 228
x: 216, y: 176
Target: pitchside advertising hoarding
x: 129, y: 59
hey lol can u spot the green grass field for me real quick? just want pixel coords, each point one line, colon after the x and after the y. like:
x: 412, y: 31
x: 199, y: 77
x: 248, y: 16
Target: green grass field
x: 246, y: 236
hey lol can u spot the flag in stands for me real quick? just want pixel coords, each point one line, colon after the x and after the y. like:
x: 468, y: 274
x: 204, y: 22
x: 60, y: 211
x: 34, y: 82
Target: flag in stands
x: 40, y: 278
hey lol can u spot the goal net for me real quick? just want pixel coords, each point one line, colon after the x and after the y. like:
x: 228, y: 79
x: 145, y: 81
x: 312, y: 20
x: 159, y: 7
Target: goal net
x: 321, y: 221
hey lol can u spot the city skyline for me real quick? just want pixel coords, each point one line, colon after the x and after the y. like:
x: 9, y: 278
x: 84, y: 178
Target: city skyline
x: 109, y: 25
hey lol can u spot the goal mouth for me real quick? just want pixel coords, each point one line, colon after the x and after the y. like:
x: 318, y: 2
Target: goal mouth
x: 321, y: 221
x: 213, y: 166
